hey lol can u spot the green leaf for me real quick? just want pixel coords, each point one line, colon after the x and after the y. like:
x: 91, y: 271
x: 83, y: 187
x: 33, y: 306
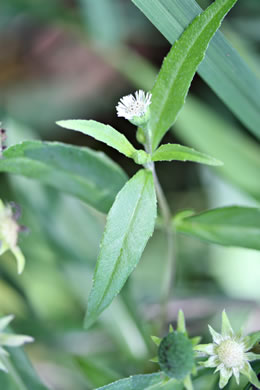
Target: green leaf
x: 101, y: 132
x: 81, y: 172
x: 223, y: 68
x: 21, y: 374
x: 130, y: 223
x: 171, y: 152
x: 229, y: 226
x: 219, y: 137
x: 179, y: 68
x: 144, y: 382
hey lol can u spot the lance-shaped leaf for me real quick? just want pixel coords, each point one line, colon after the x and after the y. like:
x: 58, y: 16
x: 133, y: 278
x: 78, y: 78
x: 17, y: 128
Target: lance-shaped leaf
x: 84, y: 173
x: 101, y: 132
x: 179, y: 67
x: 229, y: 226
x: 171, y: 152
x: 130, y: 223
x: 144, y: 382
x: 223, y: 69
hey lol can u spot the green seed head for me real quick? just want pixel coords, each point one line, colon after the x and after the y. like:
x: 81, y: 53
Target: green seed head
x: 176, y: 356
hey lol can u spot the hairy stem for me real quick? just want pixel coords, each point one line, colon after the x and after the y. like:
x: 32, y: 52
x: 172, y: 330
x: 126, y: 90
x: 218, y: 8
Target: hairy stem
x: 170, y: 259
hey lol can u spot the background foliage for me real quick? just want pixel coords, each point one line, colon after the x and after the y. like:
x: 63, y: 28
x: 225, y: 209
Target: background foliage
x: 70, y: 59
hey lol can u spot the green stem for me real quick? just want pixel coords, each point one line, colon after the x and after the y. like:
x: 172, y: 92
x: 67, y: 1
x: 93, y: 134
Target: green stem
x: 169, y: 272
x: 13, y: 373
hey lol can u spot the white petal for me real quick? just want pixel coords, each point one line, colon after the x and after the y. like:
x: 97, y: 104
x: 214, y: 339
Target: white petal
x: 131, y: 106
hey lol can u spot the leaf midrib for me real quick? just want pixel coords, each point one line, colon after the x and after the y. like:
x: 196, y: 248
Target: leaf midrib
x: 62, y: 170
x: 123, y: 242
x: 252, y: 229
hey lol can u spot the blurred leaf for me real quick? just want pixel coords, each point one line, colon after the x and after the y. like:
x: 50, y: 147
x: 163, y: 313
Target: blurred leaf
x: 179, y: 67
x: 130, y: 223
x: 229, y: 226
x: 21, y: 374
x: 104, y: 20
x: 97, y: 373
x: 144, y: 382
x: 170, y: 152
x: 212, y: 134
x: 101, y: 132
x: 84, y: 173
x: 223, y: 69
x: 129, y: 332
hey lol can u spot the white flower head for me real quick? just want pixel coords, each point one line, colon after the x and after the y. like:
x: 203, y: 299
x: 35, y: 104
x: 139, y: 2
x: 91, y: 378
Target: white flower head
x: 135, y: 108
x: 9, y: 230
x: 229, y: 354
x: 9, y: 340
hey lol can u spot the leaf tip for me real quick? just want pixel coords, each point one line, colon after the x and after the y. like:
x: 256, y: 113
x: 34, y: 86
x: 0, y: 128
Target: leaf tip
x: 218, y: 163
x: 89, y: 321
x: 61, y: 123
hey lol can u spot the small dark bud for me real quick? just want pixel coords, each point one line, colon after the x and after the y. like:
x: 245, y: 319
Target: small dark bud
x: 2, y: 140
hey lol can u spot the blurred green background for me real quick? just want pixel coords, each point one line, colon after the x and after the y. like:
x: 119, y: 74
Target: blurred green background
x: 62, y: 59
